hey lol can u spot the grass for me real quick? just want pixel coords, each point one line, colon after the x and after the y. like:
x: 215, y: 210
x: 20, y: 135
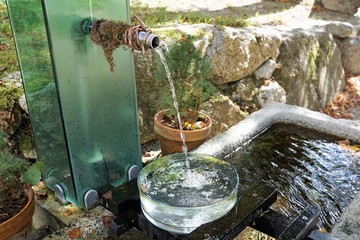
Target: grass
x: 158, y: 17
x: 8, y: 59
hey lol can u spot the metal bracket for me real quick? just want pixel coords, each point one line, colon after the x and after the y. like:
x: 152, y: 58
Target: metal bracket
x: 59, y: 194
x: 91, y: 199
x: 133, y: 172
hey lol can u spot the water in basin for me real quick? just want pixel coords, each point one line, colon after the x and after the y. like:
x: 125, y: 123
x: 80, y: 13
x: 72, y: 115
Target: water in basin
x: 179, y: 199
x: 305, y: 166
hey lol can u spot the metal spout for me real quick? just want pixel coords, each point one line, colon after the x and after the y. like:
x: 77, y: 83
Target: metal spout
x: 112, y: 34
x: 150, y: 40
x: 136, y: 37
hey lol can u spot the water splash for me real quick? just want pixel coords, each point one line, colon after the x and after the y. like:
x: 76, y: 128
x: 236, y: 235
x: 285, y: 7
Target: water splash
x: 159, y: 51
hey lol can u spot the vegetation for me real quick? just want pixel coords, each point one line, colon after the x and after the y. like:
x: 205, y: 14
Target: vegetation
x: 9, y: 94
x: 8, y: 60
x: 156, y: 17
x: 11, y: 190
x: 14, y: 174
x: 191, y: 73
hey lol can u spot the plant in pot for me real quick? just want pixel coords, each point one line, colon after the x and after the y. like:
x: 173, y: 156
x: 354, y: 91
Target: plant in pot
x: 17, y: 203
x: 191, y: 75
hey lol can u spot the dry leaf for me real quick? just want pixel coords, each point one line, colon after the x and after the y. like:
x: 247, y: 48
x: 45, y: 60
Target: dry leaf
x: 106, y: 221
x: 75, y: 233
x: 107, y: 195
x: 70, y: 210
x: 41, y: 195
x: 344, y: 102
x: 345, y: 142
x: 316, y: 8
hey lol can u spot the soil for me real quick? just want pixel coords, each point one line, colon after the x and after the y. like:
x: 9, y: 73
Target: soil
x: 15, y: 206
x: 190, y: 121
x: 108, y: 35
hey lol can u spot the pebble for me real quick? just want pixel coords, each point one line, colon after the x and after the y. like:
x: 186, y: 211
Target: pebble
x: 12, y: 77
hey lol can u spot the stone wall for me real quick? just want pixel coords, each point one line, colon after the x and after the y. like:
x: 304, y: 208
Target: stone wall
x: 344, y: 6
x: 305, y: 64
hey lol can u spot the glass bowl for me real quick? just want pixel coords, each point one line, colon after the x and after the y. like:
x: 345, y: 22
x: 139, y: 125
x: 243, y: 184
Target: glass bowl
x: 179, y: 199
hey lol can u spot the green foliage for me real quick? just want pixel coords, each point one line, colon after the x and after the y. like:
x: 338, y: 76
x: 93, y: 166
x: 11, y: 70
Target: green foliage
x: 9, y: 94
x: 2, y: 140
x: 11, y: 168
x: 8, y: 59
x: 32, y: 175
x: 26, y: 142
x: 154, y: 17
x: 191, y: 73
x: 26, y: 16
x: 14, y: 173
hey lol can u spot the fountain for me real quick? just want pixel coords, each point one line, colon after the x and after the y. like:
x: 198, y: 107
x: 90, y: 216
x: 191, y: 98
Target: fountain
x: 179, y: 198
x: 84, y: 118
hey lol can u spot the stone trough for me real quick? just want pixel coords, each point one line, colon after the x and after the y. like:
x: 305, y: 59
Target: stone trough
x: 275, y: 113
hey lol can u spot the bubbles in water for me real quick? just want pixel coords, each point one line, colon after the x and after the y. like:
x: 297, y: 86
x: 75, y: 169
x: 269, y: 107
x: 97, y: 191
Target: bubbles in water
x: 204, y: 183
x: 179, y: 199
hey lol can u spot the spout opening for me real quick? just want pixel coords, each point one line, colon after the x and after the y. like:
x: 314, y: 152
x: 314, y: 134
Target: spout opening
x: 155, y: 42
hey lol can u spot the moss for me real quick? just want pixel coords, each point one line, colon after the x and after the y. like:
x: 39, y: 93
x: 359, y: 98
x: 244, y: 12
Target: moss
x: 108, y: 35
x: 330, y: 49
x: 312, y: 57
x: 26, y: 142
x: 8, y: 58
x: 9, y: 94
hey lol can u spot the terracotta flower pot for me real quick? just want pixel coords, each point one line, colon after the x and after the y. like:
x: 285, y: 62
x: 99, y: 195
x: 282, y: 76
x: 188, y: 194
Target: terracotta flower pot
x: 19, y: 226
x: 170, y: 141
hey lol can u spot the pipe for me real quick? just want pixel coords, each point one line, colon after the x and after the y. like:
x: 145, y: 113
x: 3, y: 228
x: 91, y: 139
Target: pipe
x: 150, y: 40
x: 142, y: 37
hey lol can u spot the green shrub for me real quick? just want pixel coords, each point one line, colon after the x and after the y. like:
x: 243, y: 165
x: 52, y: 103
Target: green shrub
x: 14, y: 174
x: 192, y: 76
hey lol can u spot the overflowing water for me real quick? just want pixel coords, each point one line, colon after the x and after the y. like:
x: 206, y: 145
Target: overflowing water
x: 180, y: 199
x: 305, y: 166
x: 173, y: 92
x: 204, y: 183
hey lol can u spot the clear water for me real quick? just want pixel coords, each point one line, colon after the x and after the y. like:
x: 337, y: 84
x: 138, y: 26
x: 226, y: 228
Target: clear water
x: 305, y: 166
x: 182, y: 198
x: 159, y: 51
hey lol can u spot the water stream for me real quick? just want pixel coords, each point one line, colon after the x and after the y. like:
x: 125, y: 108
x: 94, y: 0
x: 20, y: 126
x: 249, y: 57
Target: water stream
x: 305, y: 166
x: 159, y: 51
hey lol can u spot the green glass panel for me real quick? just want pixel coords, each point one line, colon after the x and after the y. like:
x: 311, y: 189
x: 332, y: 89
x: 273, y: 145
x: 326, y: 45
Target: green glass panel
x: 99, y: 107
x: 28, y: 27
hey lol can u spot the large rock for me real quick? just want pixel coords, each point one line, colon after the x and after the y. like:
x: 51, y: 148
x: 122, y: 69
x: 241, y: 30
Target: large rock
x: 348, y: 226
x: 224, y: 114
x: 311, y: 68
x: 271, y: 92
x: 266, y: 70
x: 236, y: 53
x: 340, y: 29
x: 343, y: 6
x: 350, y: 49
